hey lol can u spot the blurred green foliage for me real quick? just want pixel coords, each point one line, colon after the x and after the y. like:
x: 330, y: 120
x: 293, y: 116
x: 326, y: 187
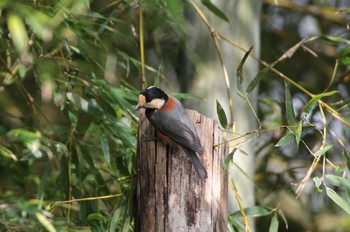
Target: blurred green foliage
x: 68, y: 130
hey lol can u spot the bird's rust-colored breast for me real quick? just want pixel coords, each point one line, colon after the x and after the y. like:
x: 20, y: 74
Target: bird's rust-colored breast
x: 169, y: 105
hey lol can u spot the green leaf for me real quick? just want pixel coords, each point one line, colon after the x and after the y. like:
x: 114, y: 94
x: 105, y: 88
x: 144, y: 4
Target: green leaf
x: 280, y: 212
x: 323, y: 150
x: 228, y: 159
x: 214, y: 9
x: 338, y: 181
x: 243, y: 172
x: 96, y: 216
x: 344, y: 60
x: 286, y: 139
x: 297, y: 132
x: 239, y: 74
x: 239, y: 71
x: 115, y: 219
x: 289, y: 106
x: 221, y: 115
x: 105, y: 148
x: 274, y: 223
x: 73, y: 118
x: 78, y: 101
x: 254, y: 211
x: 338, y: 200
x: 347, y: 158
x: 258, y: 78
x: 126, y: 225
x: 345, y: 52
x: 317, y: 97
x: 334, y: 39
x: 318, y: 182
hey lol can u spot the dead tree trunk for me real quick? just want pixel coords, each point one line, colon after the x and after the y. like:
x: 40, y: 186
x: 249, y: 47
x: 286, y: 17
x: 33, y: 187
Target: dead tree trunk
x: 170, y: 196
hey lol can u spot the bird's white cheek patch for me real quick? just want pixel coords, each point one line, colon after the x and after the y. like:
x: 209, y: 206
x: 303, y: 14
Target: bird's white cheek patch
x: 155, y: 103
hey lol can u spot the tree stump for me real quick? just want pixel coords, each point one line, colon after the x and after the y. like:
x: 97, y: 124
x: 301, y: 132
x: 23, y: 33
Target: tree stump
x: 170, y: 194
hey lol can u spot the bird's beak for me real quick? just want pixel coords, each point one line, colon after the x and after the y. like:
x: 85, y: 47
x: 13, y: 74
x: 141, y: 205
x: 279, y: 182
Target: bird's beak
x: 139, y: 106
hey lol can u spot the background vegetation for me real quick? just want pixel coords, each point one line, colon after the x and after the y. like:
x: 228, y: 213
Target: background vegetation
x: 70, y: 73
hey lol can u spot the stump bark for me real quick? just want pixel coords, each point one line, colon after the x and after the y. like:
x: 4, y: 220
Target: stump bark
x: 170, y: 194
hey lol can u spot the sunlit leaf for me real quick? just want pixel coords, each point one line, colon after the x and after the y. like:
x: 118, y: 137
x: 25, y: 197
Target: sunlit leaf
x: 317, y: 97
x: 18, y: 32
x: 7, y: 153
x: 45, y: 222
x: 274, y: 223
x: 334, y: 39
x: 338, y: 200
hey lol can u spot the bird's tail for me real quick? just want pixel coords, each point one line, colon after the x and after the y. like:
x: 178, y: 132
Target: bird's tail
x: 197, y: 164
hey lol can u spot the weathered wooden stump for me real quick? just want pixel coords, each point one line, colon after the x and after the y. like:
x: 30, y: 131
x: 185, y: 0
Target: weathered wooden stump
x: 170, y: 194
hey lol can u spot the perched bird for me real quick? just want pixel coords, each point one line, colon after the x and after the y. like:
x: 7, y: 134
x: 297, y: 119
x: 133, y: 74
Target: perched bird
x: 172, y: 123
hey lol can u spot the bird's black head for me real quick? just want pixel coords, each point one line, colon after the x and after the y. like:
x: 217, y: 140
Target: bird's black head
x: 151, y: 98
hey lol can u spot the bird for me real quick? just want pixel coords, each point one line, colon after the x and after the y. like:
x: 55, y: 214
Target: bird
x: 173, y: 125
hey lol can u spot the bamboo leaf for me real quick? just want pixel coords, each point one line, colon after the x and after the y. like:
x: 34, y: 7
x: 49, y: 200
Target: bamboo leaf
x: 338, y: 200
x: 78, y: 101
x: 228, y: 159
x: 345, y: 52
x: 239, y: 74
x: 239, y: 71
x: 274, y: 223
x: 323, y: 150
x: 258, y: 78
x: 105, y: 148
x: 334, y: 39
x: 317, y: 97
x: 297, y: 132
x: 214, y: 9
x: 338, y: 181
x: 115, y: 219
x: 318, y: 182
x: 255, y: 211
x: 289, y: 106
x: 280, y: 212
x: 221, y: 115
x: 285, y: 140
x: 45, y: 222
